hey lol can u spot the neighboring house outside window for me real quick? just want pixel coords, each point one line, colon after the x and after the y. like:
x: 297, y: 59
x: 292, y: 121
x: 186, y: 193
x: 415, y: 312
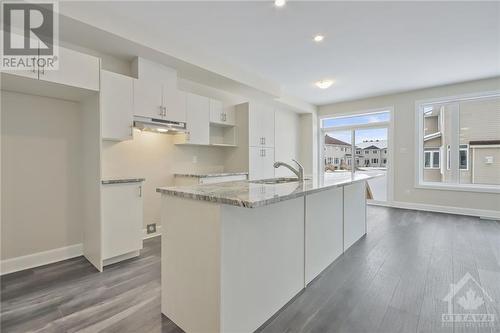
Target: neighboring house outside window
x: 431, y: 158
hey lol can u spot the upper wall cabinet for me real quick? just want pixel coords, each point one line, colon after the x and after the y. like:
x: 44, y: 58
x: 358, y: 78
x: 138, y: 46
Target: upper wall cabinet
x: 219, y: 115
x: 117, y: 106
x: 75, y: 69
x: 260, y: 126
x: 197, y: 110
x: 155, y: 92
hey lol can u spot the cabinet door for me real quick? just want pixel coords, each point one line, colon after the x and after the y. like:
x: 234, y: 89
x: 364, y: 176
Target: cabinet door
x: 255, y: 157
x: 268, y: 163
x: 148, y: 98
x: 197, y: 110
x: 268, y: 127
x: 354, y: 213
x: 260, y: 163
x: 216, y: 111
x: 122, y: 211
x: 261, y: 126
x: 173, y: 101
x: 31, y: 73
x: 75, y: 69
x: 117, y: 106
x: 255, y: 132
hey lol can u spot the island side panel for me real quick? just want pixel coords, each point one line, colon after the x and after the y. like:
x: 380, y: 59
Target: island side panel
x: 324, y: 230
x: 191, y: 263
x: 262, y: 256
x: 354, y: 213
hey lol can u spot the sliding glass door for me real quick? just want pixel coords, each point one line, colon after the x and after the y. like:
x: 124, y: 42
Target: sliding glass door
x: 357, y: 144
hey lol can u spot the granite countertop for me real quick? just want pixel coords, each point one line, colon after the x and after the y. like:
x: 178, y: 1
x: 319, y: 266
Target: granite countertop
x: 121, y: 180
x: 207, y: 175
x: 250, y: 194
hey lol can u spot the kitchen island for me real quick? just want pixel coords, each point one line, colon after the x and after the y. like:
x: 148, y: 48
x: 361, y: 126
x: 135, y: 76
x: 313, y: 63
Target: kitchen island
x: 234, y: 253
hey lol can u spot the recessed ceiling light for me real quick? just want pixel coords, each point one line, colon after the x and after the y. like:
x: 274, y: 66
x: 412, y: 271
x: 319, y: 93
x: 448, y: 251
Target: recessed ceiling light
x: 324, y: 84
x: 279, y: 3
x: 318, y: 38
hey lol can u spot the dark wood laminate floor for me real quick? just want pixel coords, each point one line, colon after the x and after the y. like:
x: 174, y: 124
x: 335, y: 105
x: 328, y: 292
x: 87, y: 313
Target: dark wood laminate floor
x: 392, y: 280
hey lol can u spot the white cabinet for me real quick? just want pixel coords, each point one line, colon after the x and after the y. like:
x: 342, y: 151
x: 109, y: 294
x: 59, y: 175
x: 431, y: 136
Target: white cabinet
x: 354, y: 213
x: 148, y: 99
x: 260, y: 163
x: 323, y: 230
x: 197, y: 114
x: 261, y: 126
x: 117, y: 106
x: 221, y: 115
x: 155, y: 92
x: 75, y: 69
x: 122, y: 211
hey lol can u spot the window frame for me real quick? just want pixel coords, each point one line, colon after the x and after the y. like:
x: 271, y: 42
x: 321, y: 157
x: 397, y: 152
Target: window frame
x: 431, y: 151
x: 419, y: 145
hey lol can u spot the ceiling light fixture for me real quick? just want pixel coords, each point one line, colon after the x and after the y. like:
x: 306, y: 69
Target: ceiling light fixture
x: 324, y: 84
x: 279, y: 3
x: 318, y: 38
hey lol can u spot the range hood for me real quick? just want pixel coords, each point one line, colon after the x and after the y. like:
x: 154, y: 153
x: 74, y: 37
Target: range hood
x: 159, y: 125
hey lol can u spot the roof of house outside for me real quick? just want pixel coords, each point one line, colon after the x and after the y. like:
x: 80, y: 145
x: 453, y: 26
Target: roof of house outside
x: 372, y: 144
x: 332, y: 141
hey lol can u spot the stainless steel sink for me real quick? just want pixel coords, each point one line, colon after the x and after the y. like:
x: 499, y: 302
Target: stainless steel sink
x: 273, y: 181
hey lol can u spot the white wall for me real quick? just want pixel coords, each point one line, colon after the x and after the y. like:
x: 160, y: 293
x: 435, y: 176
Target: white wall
x: 405, y: 136
x: 155, y: 157
x: 41, y: 150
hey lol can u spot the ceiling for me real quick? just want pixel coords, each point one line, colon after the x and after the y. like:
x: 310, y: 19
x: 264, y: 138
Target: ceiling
x: 370, y: 48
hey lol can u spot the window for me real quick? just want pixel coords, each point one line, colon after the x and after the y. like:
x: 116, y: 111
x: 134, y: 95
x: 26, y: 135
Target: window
x: 366, y: 152
x: 371, y: 118
x: 385, y: 151
x: 374, y: 160
x: 464, y: 131
x: 336, y: 160
x: 358, y: 151
x: 431, y: 158
x: 374, y: 151
x: 464, y: 157
x: 384, y: 161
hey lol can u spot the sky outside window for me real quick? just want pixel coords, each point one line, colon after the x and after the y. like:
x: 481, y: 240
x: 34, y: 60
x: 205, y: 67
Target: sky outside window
x: 361, y: 134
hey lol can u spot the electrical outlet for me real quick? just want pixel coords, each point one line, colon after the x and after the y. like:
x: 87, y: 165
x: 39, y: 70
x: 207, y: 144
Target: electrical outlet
x: 151, y: 228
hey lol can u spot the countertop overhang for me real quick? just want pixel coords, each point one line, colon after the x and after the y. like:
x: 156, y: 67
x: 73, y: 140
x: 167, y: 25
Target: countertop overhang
x: 252, y: 195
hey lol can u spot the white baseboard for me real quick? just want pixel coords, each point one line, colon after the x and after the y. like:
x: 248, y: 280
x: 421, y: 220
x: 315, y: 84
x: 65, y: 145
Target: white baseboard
x: 40, y: 258
x: 482, y: 213
x: 145, y: 234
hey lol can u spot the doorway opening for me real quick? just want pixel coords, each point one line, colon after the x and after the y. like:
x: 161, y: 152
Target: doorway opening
x: 358, y: 144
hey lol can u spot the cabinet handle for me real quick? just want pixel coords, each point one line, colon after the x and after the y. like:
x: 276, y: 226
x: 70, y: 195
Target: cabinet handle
x: 140, y: 191
x: 263, y: 140
x: 161, y: 110
x: 225, y: 116
x: 164, y: 111
x: 220, y: 116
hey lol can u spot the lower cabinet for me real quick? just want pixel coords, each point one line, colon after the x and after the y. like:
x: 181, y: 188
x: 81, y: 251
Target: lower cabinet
x: 260, y: 163
x: 354, y: 213
x: 122, y: 216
